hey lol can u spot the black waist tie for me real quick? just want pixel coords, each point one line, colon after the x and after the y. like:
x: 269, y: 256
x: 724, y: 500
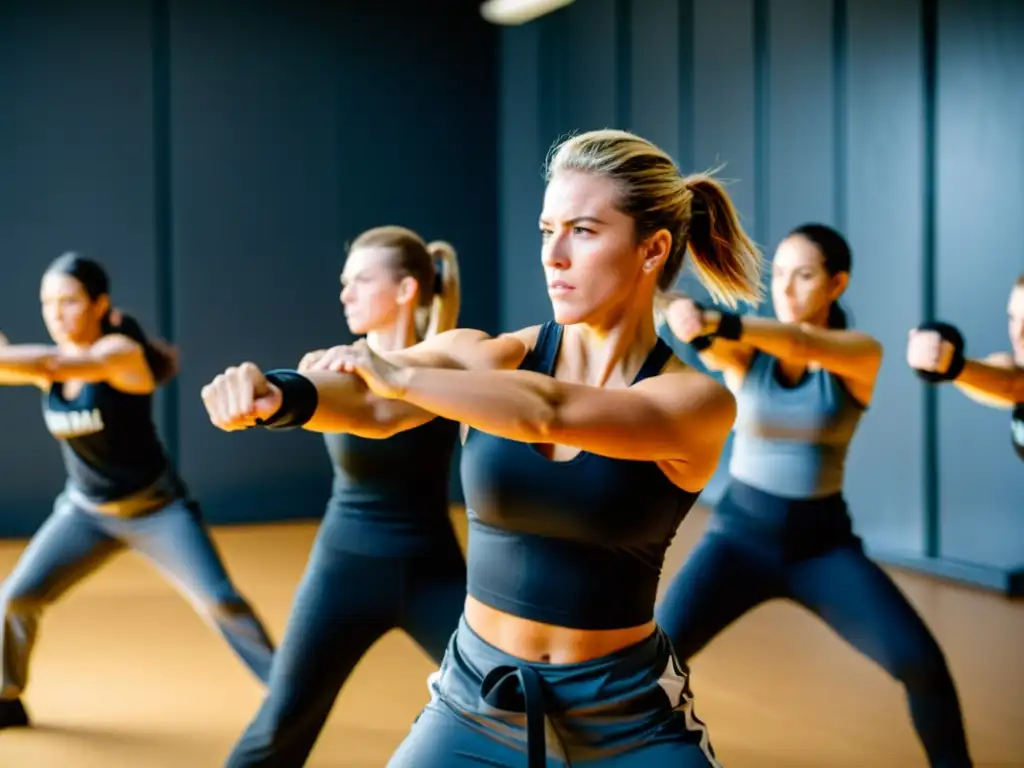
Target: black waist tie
x: 520, y: 689
x: 596, y: 709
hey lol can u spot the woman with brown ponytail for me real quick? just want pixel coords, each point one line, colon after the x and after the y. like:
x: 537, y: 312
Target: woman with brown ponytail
x: 782, y: 529
x: 386, y: 556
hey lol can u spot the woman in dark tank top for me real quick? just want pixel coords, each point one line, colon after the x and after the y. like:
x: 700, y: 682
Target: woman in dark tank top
x: 586, y: 444
x: 936, y: 353
x: 122, y: 491
x: 782, y: 530
x: 386, y: 556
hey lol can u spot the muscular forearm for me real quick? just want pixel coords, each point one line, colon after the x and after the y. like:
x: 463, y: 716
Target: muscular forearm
x: 849, y: 354
x: 344, y: 404
x: 627, y: 423
x: 519, y: 405
x: 785, y: 341
x: 25, y: 361
x: 1004, y: 385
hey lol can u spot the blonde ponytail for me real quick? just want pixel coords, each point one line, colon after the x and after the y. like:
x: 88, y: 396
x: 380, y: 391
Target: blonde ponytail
x: 726, y: 260
x: 446, y: 298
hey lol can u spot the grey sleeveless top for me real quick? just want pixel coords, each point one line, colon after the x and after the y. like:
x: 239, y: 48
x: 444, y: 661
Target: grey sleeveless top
x: 792, y: 440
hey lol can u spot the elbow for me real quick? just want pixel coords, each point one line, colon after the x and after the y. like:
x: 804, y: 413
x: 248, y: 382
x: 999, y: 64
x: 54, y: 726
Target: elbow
x: 710, y: 431
x: 380, y: 427
x: 718, y: 407
x: 1017, y: 388
x: 801, y: 344
x: 725, y: 408
x: 544, y: 425
x: 47, y: 367
x: 544, y: 415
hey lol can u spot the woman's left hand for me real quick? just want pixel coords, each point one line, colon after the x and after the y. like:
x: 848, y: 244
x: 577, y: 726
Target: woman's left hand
x: 382, y: 378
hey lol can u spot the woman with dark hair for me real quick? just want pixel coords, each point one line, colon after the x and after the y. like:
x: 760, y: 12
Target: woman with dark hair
x: 782, y: 529
x: 936, y: 352
x: 98, y: 381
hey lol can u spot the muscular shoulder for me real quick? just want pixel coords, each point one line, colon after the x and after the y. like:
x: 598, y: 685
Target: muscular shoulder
x: 684, y: 392
x: 115, y: 345
x: 702, y: 413
x: 527, y: 336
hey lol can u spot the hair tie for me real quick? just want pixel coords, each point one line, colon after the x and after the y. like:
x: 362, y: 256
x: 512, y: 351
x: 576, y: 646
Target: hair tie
x: 438, y: 278
x: 700, y: 218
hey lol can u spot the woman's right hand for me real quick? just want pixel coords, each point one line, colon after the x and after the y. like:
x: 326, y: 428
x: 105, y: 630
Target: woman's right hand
x: 686, y: 319
x: 240, y: 396
x: 928, y: 351
x: 310, y: 360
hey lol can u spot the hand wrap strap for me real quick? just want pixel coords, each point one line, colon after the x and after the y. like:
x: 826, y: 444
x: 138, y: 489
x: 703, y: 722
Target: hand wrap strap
x: 956, y: 365
x: 299, y: 400
x: 730, y: 327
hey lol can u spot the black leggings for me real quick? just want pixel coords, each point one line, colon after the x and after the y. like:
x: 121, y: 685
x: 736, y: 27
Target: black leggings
x: 759, y: 547
x: 344, y: 604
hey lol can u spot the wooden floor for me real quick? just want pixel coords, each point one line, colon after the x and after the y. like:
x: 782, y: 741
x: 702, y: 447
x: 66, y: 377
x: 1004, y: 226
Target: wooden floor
x: 126, y: 675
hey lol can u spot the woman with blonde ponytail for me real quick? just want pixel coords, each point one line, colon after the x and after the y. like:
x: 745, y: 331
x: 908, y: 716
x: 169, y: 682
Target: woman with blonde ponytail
x: 386, y: 556
x: 586, y: 443
x: 444, y: 306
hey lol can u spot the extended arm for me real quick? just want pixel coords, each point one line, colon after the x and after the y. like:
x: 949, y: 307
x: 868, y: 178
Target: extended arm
x: 113, y: 358
x: 848, y: 354
x: 660, y: 419
x: 346, y: 404
x: 322, y: 397
x: 995, y: 381
x: 689, y: 323
x: 726, y: 342
x: 935, y: 351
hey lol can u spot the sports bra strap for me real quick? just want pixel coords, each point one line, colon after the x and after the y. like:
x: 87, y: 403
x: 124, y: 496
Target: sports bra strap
x: 656, y: 359
x: 544, y: 355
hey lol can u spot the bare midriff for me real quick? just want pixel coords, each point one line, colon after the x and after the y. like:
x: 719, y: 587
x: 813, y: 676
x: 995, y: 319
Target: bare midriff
x: 539, y: 643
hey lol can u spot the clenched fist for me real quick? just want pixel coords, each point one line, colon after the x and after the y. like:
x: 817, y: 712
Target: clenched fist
x: 928, y: 351
x: 238, y: 397
x: 687, y: 320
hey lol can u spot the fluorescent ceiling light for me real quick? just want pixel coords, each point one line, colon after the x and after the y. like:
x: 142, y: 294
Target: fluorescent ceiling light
x: 513, y: 12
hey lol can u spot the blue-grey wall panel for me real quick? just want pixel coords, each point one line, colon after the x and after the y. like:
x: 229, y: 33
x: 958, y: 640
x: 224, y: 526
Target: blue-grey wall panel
x: 524, y: 300
x: 800, y: 132
x: 980, y: 230
x: 656, y: 73
x: 76, y: 163
x: 590, y: 50
x: 257, y: 208
x: 884, y: 195
x: 294, y: 128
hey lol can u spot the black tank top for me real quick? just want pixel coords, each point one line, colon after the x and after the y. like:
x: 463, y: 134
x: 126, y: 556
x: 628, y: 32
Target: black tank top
x: 578, y: 543
x: 1017, y: 429
x: 108, y: 440
x: 390, y: 496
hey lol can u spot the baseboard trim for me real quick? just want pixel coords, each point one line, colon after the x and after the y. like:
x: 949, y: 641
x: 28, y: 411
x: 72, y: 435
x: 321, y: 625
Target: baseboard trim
x: 1006, y: 581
